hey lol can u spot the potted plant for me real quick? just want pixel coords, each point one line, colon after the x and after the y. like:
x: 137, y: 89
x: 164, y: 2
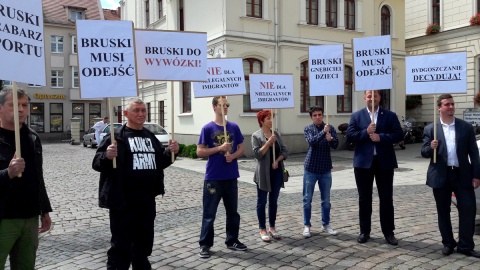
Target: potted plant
x: 475, y: 20
x: 413, y: 101
x: 432, y: 28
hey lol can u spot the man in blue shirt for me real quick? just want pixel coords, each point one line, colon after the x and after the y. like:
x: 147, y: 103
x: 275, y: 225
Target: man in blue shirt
x: 318, y: 167
x: 222, y: 142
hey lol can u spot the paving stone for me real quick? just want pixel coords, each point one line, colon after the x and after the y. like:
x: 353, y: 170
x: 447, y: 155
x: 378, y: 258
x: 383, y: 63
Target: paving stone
x: 80, y: 236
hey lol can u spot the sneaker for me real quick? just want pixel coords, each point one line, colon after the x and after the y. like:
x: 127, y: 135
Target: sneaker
x: 306, y: 232
x: 204, y: 252
x: 329, y: 229
x: 237, y: 246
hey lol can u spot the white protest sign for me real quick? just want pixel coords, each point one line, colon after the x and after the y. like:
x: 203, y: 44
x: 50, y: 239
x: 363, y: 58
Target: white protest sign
x: 271, y: 91
x: 436, y: 73
x: 171, y: 56
x: 372, y: 59
x: 22, y: 41
x: 106, y: 59
x: 225, y: 78
x: 326, y: 70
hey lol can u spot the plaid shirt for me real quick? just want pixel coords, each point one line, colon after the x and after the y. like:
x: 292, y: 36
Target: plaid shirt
x: 318, y: 158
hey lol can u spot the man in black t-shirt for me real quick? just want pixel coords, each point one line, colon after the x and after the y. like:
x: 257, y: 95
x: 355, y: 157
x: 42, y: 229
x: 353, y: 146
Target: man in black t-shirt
x: 23, y: 197
x: 129, y: 190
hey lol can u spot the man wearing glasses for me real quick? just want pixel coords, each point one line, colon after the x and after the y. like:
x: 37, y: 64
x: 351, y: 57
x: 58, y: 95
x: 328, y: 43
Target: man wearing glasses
x: 222, y: 149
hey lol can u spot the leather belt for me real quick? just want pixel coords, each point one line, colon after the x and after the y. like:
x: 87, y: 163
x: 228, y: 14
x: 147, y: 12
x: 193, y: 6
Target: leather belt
x: 453, y: 168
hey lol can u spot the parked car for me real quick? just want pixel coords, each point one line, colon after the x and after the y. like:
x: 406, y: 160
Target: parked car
x: 89, y: 138
x: 162, y: 135
x: 477, y: 191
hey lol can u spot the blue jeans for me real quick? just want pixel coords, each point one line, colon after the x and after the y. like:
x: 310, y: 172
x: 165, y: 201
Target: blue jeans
x: 213, y: 192
x: 276, y: 180
x: 324, y: 184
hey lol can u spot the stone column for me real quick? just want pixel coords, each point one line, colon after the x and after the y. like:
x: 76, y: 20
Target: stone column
x: 75, y: 130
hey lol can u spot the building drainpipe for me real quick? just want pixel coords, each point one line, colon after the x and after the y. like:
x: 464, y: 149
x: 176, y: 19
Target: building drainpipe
x: 275, y: 60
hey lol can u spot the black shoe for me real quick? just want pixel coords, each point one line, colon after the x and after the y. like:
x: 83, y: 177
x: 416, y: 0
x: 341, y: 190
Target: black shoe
x: 391, y: 240
x: 237, y: 246
x: 363, y: 237
x: 469, y: 253
x: 204, y: 252
x: 447, y: 250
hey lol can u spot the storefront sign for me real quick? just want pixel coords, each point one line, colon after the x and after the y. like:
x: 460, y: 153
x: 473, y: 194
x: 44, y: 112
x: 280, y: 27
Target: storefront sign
x: 46, y: 96
x: 472, y: 116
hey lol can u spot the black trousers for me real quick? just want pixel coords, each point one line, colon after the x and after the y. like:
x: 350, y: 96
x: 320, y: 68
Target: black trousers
x: 384, y: 180
x: 467, y: 209
x: 132, y: 237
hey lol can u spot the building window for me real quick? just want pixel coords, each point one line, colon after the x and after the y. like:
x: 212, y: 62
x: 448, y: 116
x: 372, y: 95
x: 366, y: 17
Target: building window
x: 478, y: 6
x: 57, y: 79
x: 160, y: 9
x: 56, y: 117
x: 37, y: 117
x: 78, y: 111
x: 250, y: 65
x: 180, y: 16
x: 350, y: 14
x: 186, y: 97
x: 147, y: 13
x: 94, y: 110
x: 34, y: 85
x: 74, y: 44
x: 254, y: 8
x: 331, y: 13
x: 385, y: 23
x: 307, y: 101
x: 149, y: 112
x: 7, y: 83
x: 344, y: 102
x: 436, y: 11
x: 76, y: 15
x: 312, y: 12
x: 384, y: 99
x: 56, y: 44
x: 161, y: 112
x: 75, y: 80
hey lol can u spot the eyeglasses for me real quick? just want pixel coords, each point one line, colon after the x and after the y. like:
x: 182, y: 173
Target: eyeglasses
x: 226, y: 104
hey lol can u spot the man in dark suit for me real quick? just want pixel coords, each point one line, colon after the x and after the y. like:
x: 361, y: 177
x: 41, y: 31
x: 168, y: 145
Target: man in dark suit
x: 457, y: 170
x: 374, y: 157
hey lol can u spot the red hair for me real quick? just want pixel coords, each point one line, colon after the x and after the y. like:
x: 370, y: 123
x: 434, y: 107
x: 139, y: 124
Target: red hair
x: 261, y: 115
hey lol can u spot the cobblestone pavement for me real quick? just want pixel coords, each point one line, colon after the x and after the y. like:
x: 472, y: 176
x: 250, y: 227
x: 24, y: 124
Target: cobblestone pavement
x: 80, y: 235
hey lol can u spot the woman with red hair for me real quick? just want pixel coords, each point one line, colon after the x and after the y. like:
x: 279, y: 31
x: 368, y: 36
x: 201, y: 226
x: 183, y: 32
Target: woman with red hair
x: 268, y: 173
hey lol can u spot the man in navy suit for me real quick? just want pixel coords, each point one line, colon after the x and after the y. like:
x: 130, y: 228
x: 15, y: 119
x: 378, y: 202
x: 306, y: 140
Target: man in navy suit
x: 457, y: 170
x: 374, y: 158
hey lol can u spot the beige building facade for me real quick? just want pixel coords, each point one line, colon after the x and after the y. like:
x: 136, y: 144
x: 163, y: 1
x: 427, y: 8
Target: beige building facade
x: 456, y: 34
x: 271, y: 36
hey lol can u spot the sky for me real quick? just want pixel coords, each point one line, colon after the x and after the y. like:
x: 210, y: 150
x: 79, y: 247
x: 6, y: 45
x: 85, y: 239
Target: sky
x: 110, y: 4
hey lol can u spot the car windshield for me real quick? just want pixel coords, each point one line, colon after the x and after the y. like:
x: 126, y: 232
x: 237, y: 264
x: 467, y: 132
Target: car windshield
x: 156, y: 129
x: 107, y: 128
